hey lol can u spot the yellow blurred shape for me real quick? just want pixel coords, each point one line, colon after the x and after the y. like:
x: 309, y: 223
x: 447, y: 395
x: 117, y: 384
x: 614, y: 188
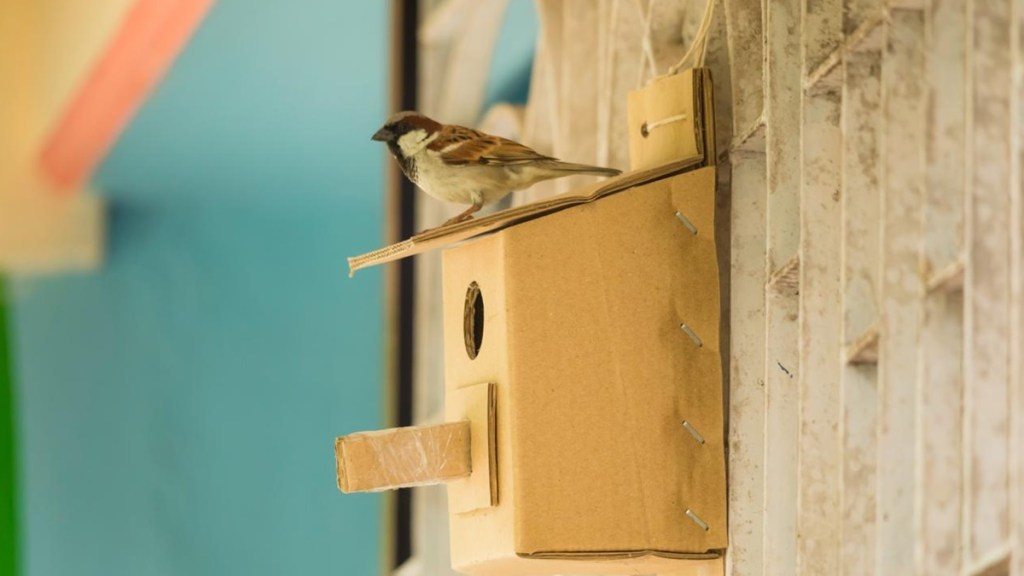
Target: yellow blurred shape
x: 46, y: 49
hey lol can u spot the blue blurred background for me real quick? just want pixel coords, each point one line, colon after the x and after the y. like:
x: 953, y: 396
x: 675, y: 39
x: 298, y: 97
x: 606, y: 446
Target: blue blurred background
x: 173, y: 411
x: 176, y: 409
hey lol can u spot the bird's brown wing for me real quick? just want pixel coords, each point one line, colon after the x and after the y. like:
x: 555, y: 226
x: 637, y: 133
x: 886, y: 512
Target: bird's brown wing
x: 461, y: 146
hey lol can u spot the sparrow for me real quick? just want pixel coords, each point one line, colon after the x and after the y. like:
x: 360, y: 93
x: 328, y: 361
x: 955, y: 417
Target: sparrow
x: 465, y: 166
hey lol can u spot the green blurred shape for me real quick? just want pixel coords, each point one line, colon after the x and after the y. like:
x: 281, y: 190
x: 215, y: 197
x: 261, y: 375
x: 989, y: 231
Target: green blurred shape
x: 8, y: 523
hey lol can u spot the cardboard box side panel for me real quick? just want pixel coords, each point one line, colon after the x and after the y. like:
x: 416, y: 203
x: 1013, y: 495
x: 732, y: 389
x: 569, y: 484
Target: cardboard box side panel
x: 483, y: 535
x: 598, y: 359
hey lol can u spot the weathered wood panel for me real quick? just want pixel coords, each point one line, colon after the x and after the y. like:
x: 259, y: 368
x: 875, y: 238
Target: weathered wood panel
x: 902, y: 289
x: 857, y: 12
x: 946, y: 74
x: 861, y: 192
x: 746, y: 52
x: 822, y: 31
x: 941, y: 370
x: 782, y: 115
x: 781, y: 442
x: 1017, y: 232
x: 819, y: 514
x: 746, y: 361
x: 941, y: 443
x: 987, y: 281
x: 782, y: 118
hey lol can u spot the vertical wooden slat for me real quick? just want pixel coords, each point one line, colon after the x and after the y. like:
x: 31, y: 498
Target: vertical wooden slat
x: 746, y: 51
x: 938, y: 548
x: 986, y: 361
x: 782, y: 115
x: 861, y: 177
x: 822, y: 31
x: 783, y: 119
x: 858, y: 476
x: 746, y: 379
x: 1017, y: 290
x: 718, y: 61
x: 857, y: 12
x: 818, y: 513
x: 580, y: 57
x: 624, y: 57
x: 946, y: 75
x: 939, y: 470
x: 818, y: 506
x: 902, y: 289
x: 781, y: 433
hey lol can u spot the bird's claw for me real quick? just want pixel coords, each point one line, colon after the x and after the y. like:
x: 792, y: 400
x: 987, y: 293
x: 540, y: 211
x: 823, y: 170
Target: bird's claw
x: 457, y: 219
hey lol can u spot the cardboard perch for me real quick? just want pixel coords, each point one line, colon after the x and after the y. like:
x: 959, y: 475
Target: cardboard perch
x: 462, y: 450
x: 403, y: 457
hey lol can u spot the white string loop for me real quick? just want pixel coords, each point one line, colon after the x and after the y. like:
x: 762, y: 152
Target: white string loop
x: 649, y: 127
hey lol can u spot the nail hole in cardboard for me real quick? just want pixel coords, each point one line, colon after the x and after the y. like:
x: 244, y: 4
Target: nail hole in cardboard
x: 473, y: 320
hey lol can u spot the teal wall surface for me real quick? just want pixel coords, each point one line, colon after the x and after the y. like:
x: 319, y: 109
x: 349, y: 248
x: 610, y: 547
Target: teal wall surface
x: 176, y: 409
x: 508, y: 79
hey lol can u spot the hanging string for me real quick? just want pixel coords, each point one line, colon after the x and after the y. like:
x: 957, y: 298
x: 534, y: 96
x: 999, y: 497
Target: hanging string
x: 699, y: 47
x: 697, y: 52
x: 646, y: 48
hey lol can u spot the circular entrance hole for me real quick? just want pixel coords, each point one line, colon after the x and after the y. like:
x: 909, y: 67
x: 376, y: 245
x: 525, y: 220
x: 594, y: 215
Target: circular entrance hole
x: 473, y: 320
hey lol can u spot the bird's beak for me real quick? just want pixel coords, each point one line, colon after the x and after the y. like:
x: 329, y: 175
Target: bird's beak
x: 382, y: 135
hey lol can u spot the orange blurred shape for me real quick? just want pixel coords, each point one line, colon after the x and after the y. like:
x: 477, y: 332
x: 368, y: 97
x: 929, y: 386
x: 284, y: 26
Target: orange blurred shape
x: 139, y: 53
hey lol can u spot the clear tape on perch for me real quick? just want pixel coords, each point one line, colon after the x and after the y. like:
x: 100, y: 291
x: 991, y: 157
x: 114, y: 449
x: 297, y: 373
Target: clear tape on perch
x: 403, y: 457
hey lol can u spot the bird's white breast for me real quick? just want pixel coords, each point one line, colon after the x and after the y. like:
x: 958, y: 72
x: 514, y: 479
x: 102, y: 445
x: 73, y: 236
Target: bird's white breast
x: 467, y: 183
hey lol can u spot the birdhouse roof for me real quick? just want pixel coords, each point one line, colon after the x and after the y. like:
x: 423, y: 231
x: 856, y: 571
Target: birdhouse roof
x: 450, y: 234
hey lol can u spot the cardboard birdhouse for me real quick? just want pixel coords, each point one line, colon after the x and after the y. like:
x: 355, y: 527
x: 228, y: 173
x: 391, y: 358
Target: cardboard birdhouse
x: 583, y: 370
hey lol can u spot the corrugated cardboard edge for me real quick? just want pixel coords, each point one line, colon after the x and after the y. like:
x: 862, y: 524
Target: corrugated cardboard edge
x: 620, y: 555
x: 492, y: 439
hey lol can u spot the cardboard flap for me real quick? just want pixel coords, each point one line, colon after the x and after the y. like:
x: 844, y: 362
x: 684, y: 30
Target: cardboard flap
x: 664, y: 122
x: 672, y: 118
x: 403, y: 457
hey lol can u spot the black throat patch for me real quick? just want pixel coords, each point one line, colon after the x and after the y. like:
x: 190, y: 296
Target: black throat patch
x: 408, y: 165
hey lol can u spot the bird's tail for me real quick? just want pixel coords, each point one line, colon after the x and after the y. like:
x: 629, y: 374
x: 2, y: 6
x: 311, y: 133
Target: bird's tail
x: 560, y: 166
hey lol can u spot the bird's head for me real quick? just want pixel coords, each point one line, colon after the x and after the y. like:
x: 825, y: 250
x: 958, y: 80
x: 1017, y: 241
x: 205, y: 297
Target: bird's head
x: 406, y: 127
